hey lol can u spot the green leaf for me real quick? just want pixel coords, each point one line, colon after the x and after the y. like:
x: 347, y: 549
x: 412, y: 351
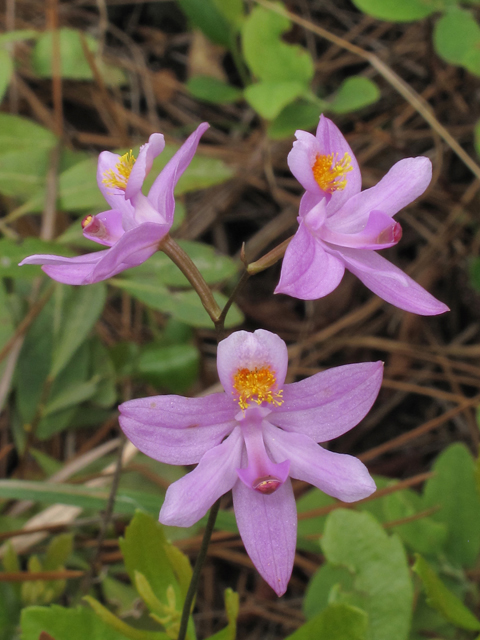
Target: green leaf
x: 58, y: 551
x: 269, y: 58
x: 21, y: 134
x: 19, y: 34
x: 207, y: 16
x: 337, y: 622
x: 299, y: 115
x: 6, y: 325
x: 443, y: 600
x: 159, y: 269
x: 103, y: 371
x: 453, y: 489
x: 73, y: 63
x: 395, y: 11
x: 65, y: 624
x: 213, y: 90
x: 6, y: 70
x: 354, y: 93
x: 269, y: 98
x: 121, y: 627
x: 143, y: 549
x: 323, y: 581
x: 121, y: 596
x: 456, y: 35
x: 379, y: 564
x: 79, y: 314
x: 232, y: 605
x: 173, y: 367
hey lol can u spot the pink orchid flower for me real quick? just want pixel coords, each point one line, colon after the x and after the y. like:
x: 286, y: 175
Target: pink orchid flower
x: 135, y: 224
x: 342, y: 227
x: 252, y: 437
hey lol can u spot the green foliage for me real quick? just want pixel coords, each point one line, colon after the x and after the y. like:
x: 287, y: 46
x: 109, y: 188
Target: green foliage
x: 73, y: 63
x: 41, y: 592
x: 218, y: 19
x: 174, y: 367
x: 6, y: 70
x: 404, y: 11
x: 443, y: 600
x: 453, y: 489
x: 213, y: 90
x: 270, y: 97
x: 457, y: 39
x: 354, y: 93
x: 336, y: 622
x: 382, y: 584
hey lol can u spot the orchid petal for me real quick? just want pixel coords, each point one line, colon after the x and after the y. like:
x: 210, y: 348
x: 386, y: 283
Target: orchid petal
x: 244, y: 350
x: 390, y: 283
x: 75, y: 270
x: 174, y: 446
x: 161, y: 194
x: 176, y: 412
x: 188, y: 499
x: 301, y: 160
x: 147, y: 154
x: 331, y: 402
x: 380, y: 232
x: 105, y: 228
x: 107, y: 161
x: 338, y: 475
x: 268, y: 527
x: 308, y: 271
x: 405, y: 182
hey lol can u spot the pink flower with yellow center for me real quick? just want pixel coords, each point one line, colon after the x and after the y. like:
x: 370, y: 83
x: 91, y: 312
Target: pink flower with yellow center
x: 342, y: 227
x: 253, y: 438
x: 135, y: 224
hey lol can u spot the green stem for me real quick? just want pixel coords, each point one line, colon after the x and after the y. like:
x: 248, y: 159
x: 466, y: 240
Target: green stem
x: 269, y: 259
x: 192, y: 589
x: 193, y: 275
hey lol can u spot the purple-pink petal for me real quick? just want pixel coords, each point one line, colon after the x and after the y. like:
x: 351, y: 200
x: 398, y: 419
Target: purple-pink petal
x: 174, y: 446
x: 338, y: 475
x: 301, y: 160
x: 390, y: 283
x: 245, y: 350
x: 405, y: 182
x: 105, y: 228
x: 147, y: 154
x: 380, y: 232
x: 188, y: 499
x: 329, y: 403
x: 308, y: 271
x: 75, y: 270
x: 268, y: 527
x: 161, y: 194
x: 107, y: 161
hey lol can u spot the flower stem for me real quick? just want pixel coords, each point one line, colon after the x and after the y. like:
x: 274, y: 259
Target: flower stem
x: 269, y: 259
x: 202, y: 554
x: 193, y: 275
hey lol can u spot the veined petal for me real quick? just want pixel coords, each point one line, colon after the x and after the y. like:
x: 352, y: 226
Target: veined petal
x: 188, y: 499
x: 77, y: 270
x: 144, y: 211
x: 390, y: 283
x: 405, y: 182
x: 341, y: 476
x: 308, y: 271
x: 257, y: 350
x: 301, y: 160
x: 174, y: 446
x: 105, y: 228
x: 147, y: 154
x: 161, y: 193
x: 331, y: 402
x: 176, y: 412
x: 268, y: 527
x: 133, y: 248
x: 380, y: 232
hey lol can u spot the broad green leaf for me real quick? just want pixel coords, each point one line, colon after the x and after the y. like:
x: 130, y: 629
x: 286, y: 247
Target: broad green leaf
x: 299, y: 115
x: 6, y: 323
x: 79, y: 314
x: 354, y: 93
x: 47, y: 464
x: 143, y: 549
x: 65, y: 624
x: 79, y: 496
x: 9, y: 611
x: 207, y: 16
x: 232, y: 10
x: 58, y: 551
x: 336, y: 622
x: 270, y: 97
x: 213, y: 90
x: 456, y: 35
x: 312, y: 499
x: 103, y: 370
x: 19, y: 34
x: 6, y: 70
x: 21, y: 134
x: 269, y: 58
x: 232, y: 605
x: 443, y: 600
x: 73, y: 63
x: 71, y: 396
x: 22, y: 174
x: 78, y: 189
x: 319, y: 588
x: 379, y: 564
x: 159, y: 269
x: 119, y: 595
x: 453, y: 489
x: 173, y: 367
x: 404, y: 11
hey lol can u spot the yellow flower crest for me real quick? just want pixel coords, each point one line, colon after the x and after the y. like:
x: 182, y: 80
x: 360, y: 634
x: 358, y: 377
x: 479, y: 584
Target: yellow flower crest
x: 257, y: 386
x: 329, y: 172
x: 117, y: 178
